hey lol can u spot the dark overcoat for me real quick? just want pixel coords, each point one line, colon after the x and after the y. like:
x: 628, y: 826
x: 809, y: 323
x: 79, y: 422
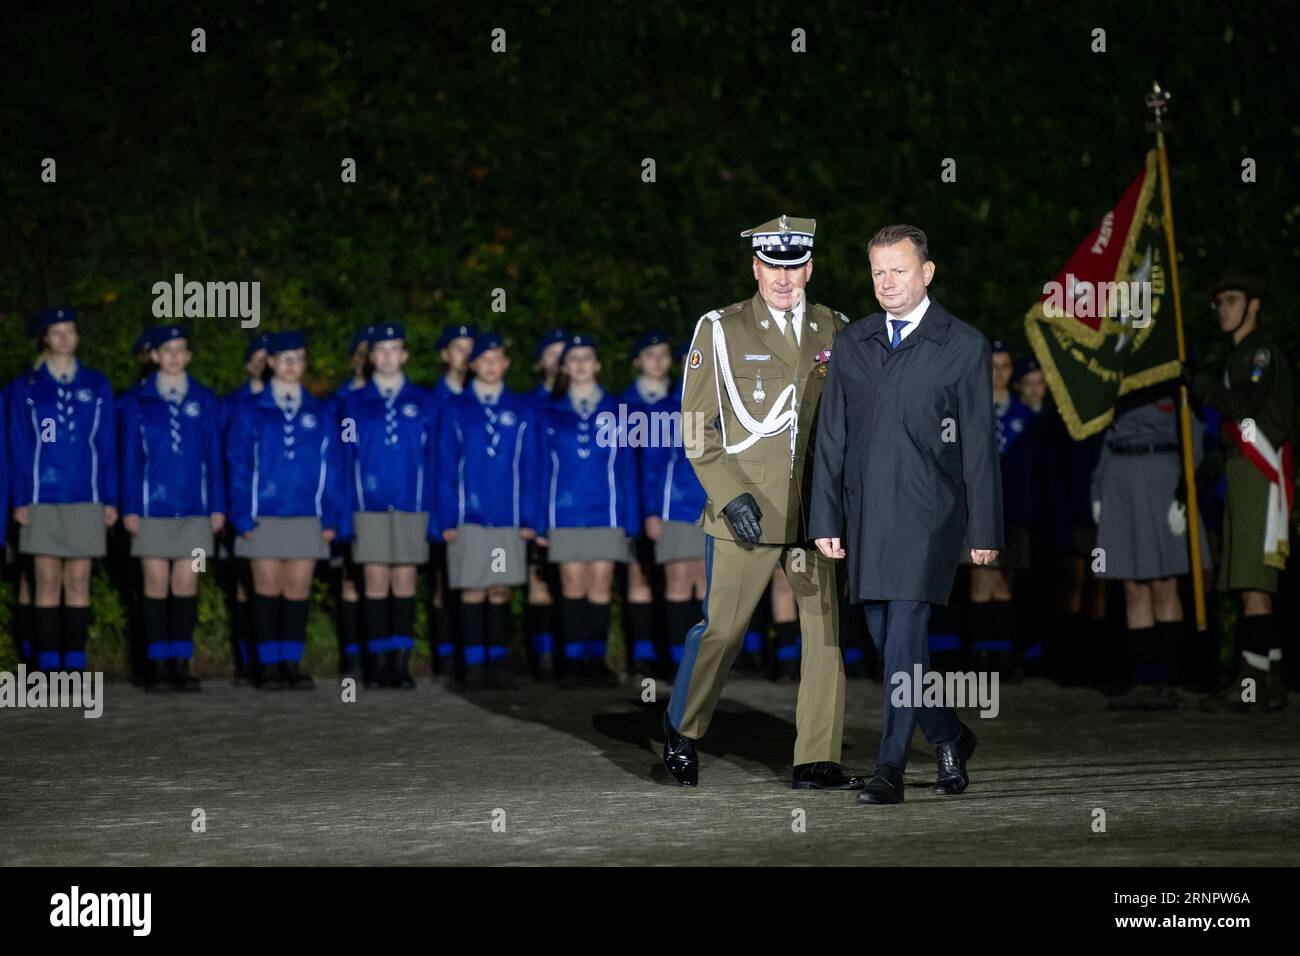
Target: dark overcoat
x: 906, y: 469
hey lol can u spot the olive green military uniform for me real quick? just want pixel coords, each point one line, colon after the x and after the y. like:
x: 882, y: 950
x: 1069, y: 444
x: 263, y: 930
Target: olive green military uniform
x: 749, y: 407
x: 1257, y: 387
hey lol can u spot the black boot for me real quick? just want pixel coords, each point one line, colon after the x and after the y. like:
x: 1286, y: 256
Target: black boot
x: 399, y: 670
x: 182, y: 680
x: 156, y: 676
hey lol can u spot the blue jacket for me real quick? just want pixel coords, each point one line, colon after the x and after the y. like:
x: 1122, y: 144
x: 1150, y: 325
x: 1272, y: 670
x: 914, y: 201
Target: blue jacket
x: 1015, y: 426
x: 389, y: 450
x: 592, y: 476
x: 669, y: 485
x: 78, y: 460
x: 171, y: 453
x: 489, y: 463
x: 285, y: 467
x: 230, y: 405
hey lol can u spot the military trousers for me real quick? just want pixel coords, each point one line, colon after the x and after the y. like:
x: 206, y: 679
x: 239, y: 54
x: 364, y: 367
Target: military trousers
x: 738, y: 574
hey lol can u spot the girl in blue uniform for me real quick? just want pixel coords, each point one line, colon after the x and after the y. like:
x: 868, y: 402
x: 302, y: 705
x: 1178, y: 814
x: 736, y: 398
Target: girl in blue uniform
x: 235, y: 574
x: 672, y: 500
x: 63, y: 478
x: 488, y: 504
x: 592, y: 503
x: 349, y: 623
x: 540, y: 626
x: 652, y: 357
x: 388, y: 445
x: 173, y: 501
x: 286, y: 477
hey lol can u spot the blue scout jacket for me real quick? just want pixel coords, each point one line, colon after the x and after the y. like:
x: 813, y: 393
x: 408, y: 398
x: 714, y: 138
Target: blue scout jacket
x: 489, y: 463
x: 77, y: 460
x: 285, y: 466
x: 669, y: 485
x: 171, y: 453
x: 591, y: 478
x: 1014, y: 426
x: 389, y: 450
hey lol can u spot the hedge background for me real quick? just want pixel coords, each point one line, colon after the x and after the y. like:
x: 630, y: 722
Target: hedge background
x: 522, y: 170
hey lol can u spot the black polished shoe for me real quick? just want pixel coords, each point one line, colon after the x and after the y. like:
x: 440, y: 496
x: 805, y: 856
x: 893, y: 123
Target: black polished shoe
x: 294, y: 677
x: 884, y: 787
x: 401, y: 678
x: 268, y: 678
x: 680, y: 759
x: 156, y: 677
x: 824, y: 775
x: 952, y: 763
x: 181, y: 677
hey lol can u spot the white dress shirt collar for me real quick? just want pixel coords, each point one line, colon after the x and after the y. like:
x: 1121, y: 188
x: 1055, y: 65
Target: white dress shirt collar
x: 779, y: 315
x: 913, y: 319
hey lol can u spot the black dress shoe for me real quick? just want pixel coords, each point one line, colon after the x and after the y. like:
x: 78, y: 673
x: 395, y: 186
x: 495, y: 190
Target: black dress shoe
x: 884, y: 787
x: 182, y: 680
x: 824, y: 775
x: 952, y: 763
x: 401, y: 670
x: 680, y: 759
x: 156, y: 677
x: 294, y: 677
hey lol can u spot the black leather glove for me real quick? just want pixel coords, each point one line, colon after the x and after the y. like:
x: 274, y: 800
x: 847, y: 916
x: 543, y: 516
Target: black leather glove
x: 743, y: 515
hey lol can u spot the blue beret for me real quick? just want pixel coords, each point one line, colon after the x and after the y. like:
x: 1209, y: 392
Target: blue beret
x: 286, y: 342
x: 550, y: 338
x: 453, y: 332
x: 644, y: 342
x: 385, y: 332
x: 257, y: 344
x: 157, y: 336
x: 485, y: 342
x: 1026, y: 365
x: 43, y: 320
x: 141, y: 343
x: 999, y: 346
x: 577, y: 342
x: 361, y: 335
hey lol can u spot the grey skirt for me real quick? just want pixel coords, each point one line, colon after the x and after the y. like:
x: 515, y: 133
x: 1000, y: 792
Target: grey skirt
x: 283, y: 539
x: 1133, y: 533
x: 486, y: 558
x: 587, y: 544
x: 390, y: 537
x: 682, y: 541
x: 172, y: 538
x: 65, y: 531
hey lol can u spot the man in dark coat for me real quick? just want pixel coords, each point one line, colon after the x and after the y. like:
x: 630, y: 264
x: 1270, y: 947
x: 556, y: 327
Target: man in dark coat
x: 906, y: 478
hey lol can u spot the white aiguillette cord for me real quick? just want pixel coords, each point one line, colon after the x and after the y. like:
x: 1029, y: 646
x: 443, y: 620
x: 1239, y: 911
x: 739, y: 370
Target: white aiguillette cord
x: 776, y: 421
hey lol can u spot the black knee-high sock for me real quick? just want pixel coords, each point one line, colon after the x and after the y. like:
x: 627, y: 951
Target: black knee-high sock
x: 1003, y: 626
x: 539, y: 627
x: 266, y: 629
x: 1144, y: 643
x: 379, y: 625
x: 183, y: 615
x: 498, y: 634
x: 638, y: 631
x: 788, y: 642
x: 25, y: 623
x: 403, y: 622
x: 293, y: 629
x: 473, y: 625
x: 597, y: 641
x: 982, y: 626
x: 573, y: 622
x: 76, y: 631
x: 153, y: 620
x: 49, y: 623
x: 1168, y: 639
x: 245, y: 640
x: 349, y: 628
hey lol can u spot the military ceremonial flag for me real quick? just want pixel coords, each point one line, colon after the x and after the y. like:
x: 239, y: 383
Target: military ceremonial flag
x: 1103, y: 326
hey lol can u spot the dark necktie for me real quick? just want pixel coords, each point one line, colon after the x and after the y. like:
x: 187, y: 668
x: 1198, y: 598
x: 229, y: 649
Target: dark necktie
x: 897, y: 337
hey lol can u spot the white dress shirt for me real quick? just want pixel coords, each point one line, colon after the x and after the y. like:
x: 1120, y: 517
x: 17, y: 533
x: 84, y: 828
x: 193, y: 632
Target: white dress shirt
x: 779, y: 315
x: 913, y: 319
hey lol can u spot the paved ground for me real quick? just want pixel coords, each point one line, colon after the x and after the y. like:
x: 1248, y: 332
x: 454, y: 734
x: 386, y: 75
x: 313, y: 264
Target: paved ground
x: 301, y: 778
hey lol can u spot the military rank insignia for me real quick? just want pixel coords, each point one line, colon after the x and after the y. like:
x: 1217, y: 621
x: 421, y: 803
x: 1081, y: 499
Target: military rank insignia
x: 696, y: 358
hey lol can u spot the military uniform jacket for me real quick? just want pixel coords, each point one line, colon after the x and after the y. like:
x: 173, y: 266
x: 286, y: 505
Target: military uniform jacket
x: 749, y: 413
x: 1256, y: 385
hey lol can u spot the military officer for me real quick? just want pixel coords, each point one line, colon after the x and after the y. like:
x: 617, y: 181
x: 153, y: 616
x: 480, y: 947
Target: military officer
x: 1256, y: 396
x: 750, y: 389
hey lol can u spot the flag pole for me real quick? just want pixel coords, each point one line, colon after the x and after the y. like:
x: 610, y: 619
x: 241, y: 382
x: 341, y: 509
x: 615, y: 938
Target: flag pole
x: 1157, y: 101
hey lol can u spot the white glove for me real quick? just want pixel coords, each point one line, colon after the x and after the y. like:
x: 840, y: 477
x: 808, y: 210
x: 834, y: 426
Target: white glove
x: 1177, y: 518
x: 1096, y: 512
